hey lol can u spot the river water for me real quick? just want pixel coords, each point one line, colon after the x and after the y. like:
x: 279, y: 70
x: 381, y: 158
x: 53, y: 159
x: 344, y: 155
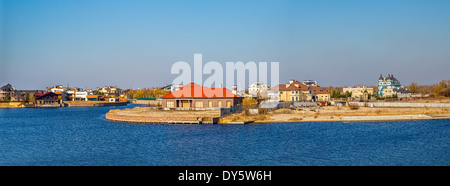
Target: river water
x: 82, y: 136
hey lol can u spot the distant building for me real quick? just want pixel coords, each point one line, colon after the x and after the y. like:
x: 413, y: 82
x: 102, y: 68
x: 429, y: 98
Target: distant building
x: 402, y: 92
x: 310, y: 83
x: 60, y: 91
x: 93, y: 98
x: 9, y: 93
x: 258, y: 88
x: 6, y: 92
x: 80, y: 96
x: 47, y: 99
x: 320, y: 94
x: 388, y: 82
x: 359, y: 93
x: 387, y: 92
x: 294, y: 91
x: 172, y: 87
x: 110, y: 90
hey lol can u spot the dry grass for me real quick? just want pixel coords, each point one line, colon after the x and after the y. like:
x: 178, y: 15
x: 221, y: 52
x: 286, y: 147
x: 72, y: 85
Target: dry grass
x: 353, y: 106
x: 283, y: 111
x: 295, y: 119
x: 332, y: 113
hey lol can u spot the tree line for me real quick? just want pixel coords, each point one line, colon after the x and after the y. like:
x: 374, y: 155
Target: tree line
x: 439, y: 89
x: 147, y: 93
x: 434, y: 90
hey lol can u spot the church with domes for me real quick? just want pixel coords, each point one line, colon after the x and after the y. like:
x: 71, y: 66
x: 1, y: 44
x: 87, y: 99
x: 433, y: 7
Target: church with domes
x: 387, y: 82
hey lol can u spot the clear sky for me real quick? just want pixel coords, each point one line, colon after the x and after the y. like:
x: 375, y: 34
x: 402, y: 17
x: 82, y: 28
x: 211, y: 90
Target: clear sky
x: 133, y: 43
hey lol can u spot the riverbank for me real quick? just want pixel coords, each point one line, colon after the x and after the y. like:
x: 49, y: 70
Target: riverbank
x: 330, y: 113
x: 12, y: 105
x: 344, y: 114
x: 93, y: 103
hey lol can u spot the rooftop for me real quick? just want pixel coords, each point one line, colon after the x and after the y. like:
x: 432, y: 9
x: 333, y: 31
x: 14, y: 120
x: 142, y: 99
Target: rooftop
x: 193, y: 90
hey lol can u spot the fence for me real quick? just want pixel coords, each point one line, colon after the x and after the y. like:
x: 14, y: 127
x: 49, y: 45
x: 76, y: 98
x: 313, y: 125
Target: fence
x: 391, y: 104
x: 228, y: 111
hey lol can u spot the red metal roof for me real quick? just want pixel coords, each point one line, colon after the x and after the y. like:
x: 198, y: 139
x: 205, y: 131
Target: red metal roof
x: 193, y: 90
x: 47, y: 95
x: 318, y: 90
x: 299, y: 86
x: 295, y: 86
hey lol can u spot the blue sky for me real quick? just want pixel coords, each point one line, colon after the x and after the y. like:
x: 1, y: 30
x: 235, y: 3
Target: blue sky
x: 133, y: 43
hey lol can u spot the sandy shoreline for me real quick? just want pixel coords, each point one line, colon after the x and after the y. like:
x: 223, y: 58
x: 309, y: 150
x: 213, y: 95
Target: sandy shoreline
x: 345, y: 114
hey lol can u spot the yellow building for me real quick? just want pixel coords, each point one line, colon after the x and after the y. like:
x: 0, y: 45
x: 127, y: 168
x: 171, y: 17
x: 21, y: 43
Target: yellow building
x: 388, y: 92
x: 297, y: 91
x: 359, y: 93
x: 320, y: 94
x: 294, y: 91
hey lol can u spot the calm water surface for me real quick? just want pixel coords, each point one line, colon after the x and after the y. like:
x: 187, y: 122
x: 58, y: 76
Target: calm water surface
x: 81, y: 136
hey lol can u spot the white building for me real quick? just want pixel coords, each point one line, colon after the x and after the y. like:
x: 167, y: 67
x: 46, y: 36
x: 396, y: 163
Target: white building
x: 310, y: 83
x: 77, y: 95
x: 260, y: 88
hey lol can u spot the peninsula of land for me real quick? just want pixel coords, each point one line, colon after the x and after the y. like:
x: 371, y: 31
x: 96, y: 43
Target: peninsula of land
x: 330, y: 113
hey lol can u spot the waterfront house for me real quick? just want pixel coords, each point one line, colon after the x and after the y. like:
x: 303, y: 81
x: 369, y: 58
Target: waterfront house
x: 9, y: 93
x: 60, y: 91
x: 47, y: 99
x: 193, y: 96
x: 294, y: 91
x: 6, y: 92
x: 93, y: 98
x: 78, y: 95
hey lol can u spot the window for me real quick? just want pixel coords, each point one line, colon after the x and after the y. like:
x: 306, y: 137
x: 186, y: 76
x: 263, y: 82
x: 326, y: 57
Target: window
x: 210, y: 104
x: 228, y: 104
x: 170, y: 104
x: 199, y: 104
x: 219, y: 104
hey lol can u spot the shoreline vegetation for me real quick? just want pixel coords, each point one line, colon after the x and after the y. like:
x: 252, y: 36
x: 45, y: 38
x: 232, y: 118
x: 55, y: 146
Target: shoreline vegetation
x: 323, y: 114
x: 337, y: 114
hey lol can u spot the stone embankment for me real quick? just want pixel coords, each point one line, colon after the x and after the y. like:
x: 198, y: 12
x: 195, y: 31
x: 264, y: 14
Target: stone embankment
x: 386, y: 118
x: 96, y: 104
x: 144, y: 119
x: 152, y: 115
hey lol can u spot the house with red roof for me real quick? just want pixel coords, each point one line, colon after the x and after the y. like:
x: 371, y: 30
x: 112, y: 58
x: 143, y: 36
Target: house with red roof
x: 319, y: 94
x: 293, y: 91
x: 47, y: 99
x: 193, y: 96
x: 298, y: 91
